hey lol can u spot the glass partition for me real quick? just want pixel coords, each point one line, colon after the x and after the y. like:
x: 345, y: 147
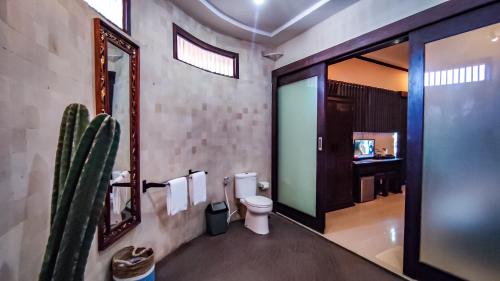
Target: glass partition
x: 297, y: 133
x: 460, y: 226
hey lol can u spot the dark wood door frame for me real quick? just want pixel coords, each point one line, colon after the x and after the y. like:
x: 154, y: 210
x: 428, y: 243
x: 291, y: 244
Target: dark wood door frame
x: 382, y: 37
x: 466, y: 22
x: 317, y: 223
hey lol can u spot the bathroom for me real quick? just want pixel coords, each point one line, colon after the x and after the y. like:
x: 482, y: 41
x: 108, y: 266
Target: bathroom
x: 183, y: 125
x: 184, y: 119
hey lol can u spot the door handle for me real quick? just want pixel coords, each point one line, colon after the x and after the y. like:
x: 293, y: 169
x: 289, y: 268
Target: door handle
x: 320, y: 144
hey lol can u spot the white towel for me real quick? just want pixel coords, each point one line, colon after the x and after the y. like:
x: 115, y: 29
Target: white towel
x: 177, y: 195
x: 120, y: 195
x: 198, y: 187
x: 119, y: 177
x: 116, y: 202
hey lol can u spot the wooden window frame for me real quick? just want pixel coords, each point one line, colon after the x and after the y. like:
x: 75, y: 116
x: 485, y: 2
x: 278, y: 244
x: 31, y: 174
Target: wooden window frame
x: 178, y: 31
x: 126, y: 16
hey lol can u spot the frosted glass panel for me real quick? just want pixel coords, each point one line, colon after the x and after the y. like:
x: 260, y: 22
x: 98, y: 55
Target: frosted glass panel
x: 297, y: 116
x: 460, y: 227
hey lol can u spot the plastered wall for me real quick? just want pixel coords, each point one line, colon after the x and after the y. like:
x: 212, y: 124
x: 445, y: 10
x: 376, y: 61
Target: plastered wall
x: 361, y: 17
x: 361, y: 72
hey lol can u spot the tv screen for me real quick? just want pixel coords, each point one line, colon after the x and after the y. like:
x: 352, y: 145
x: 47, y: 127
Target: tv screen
x: 364, y: 149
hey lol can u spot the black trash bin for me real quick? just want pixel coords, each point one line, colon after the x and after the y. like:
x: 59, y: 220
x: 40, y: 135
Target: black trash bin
x: 216, y: 214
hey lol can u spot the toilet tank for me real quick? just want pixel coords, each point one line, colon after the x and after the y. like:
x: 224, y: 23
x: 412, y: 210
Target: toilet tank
x: 245, y: 185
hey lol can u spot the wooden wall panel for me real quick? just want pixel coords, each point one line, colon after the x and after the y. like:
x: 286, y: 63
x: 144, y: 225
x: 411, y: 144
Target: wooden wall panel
x: 375, y: 109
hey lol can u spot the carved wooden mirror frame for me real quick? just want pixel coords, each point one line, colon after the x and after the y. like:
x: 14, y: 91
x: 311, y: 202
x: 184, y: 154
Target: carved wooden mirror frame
x: 104, y: 33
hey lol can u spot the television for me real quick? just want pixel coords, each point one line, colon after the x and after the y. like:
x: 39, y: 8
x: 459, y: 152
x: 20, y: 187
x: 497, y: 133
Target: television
x: 364, y: 148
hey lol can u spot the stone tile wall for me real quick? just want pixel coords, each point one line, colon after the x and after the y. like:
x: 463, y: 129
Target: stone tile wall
x: 190, y: 119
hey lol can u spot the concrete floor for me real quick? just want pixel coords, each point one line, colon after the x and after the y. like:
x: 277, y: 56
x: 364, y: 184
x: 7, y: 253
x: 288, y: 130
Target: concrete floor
x: 289, y: 252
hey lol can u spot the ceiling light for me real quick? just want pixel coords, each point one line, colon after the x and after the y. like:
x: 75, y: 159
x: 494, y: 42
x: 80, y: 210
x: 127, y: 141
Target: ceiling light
x: 494, y: 36
x: 258, y: 2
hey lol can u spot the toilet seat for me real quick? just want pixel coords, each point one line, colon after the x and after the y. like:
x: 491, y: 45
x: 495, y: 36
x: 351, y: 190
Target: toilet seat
x: 259, y: 201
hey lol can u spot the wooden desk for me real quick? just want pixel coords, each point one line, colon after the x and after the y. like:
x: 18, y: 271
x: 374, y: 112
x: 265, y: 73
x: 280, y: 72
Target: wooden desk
x: 388, y: 170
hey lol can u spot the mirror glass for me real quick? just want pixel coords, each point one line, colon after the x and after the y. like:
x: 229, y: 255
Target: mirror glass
x: 119, y: 107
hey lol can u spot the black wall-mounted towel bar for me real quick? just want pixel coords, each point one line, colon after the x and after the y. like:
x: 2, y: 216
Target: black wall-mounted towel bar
x: 147, y: 185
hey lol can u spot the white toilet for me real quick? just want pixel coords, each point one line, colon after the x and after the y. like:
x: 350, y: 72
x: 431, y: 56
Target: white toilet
x: 258, y: 207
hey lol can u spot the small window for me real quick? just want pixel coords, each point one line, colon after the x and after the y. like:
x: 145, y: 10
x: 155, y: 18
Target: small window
x: 195, y: 52
x: 467, y: 74
x: 115, y: 11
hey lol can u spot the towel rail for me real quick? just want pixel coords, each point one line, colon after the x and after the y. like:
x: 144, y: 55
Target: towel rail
x: 121, y: 184
x: 118, y: 184
x: 147, y: 185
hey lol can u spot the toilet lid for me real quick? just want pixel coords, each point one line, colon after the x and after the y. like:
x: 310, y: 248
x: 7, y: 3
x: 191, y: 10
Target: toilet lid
x: 259, y: 201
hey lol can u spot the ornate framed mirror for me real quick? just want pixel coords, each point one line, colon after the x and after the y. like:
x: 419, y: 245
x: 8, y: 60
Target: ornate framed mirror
x: 117, y: 93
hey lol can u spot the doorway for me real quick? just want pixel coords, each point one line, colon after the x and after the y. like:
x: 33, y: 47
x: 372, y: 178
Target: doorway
x: 463, y: 74
x: 370, y: 220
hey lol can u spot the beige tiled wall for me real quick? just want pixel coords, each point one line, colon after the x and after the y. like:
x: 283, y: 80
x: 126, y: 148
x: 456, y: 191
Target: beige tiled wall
x: 190, y: 119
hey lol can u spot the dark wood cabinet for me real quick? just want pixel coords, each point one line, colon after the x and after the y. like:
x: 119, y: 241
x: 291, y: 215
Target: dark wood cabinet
x: 339, y: 152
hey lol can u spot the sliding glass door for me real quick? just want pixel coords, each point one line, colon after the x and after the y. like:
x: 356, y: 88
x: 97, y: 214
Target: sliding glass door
x: 299, y: 111
x: 452, y: 216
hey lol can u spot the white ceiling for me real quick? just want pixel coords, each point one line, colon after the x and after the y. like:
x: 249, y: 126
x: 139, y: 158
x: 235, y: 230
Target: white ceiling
x: 396, y: 55
x: 271, y: 23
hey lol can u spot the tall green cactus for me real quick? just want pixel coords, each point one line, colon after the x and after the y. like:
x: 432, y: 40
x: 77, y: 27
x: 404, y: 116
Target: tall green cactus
x: 74, y: 122
x: 96, y: 211
x: 81, y: 201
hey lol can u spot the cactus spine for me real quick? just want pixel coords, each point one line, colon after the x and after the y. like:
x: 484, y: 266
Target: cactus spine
x: 81, y: 201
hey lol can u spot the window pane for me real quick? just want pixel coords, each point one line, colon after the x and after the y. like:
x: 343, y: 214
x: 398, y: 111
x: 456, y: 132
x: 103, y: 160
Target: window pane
x: 110, y: 9
x: 204, y: 59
